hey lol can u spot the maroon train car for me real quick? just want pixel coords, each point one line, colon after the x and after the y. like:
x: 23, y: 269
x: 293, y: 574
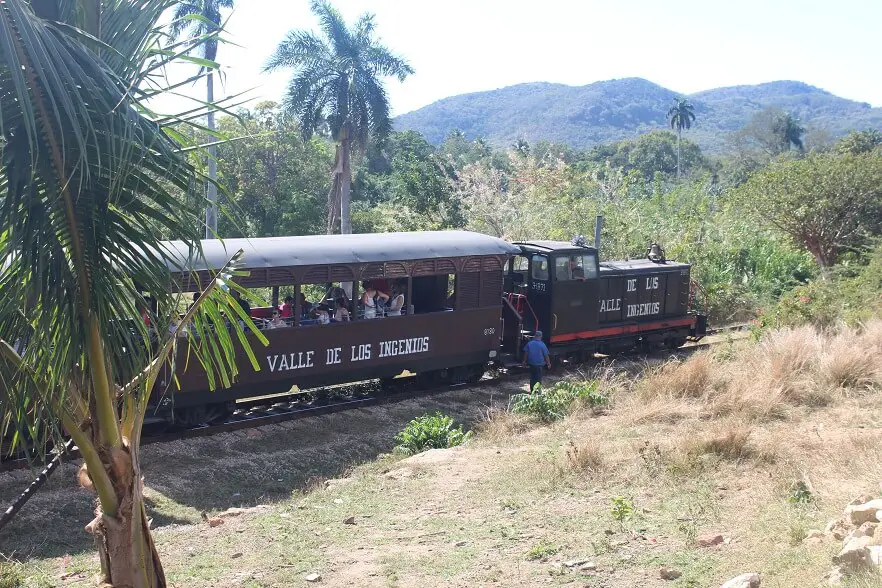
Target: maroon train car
x: 448, y: 329
x: 583, y: 306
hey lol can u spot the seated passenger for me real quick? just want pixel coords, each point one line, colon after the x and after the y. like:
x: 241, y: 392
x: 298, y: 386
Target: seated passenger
x: 288, y: 307
x: 276, y: 322
x: 396, y: 302
x: 321, y: 314
x: 369, y: 299
x: 342, y: 313
x: 305, y: 305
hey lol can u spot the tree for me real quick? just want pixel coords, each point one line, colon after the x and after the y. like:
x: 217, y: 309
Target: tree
x: 681, y: 116
x: 202, y: 19
x: 274, y: 177
x: 859, y: 142
x: 87, y: 183
x: 411, y: 176
x: 773, y: 131
x: 658, y: 152
x: 337, y: 82
x: 826, y: 203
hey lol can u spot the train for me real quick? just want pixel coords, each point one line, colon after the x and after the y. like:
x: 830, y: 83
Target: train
x: 470, y: 302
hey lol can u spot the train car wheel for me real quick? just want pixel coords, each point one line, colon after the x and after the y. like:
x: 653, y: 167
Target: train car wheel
x: 476, y: 372
x: 207, y: 414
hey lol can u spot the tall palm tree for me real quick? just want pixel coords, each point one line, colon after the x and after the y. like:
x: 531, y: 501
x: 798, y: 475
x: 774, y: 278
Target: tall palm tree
x: 791, y: 131
x: 681, y: 115
x: 202, y: 19
x: 337, y: 82
x: 87, y: 182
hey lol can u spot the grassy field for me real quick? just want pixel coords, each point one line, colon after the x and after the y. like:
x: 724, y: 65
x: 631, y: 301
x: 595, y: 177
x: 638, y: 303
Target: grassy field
x: 760, y: 443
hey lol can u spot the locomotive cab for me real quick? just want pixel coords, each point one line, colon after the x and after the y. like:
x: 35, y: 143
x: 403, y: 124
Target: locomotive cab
x: 583, y: 306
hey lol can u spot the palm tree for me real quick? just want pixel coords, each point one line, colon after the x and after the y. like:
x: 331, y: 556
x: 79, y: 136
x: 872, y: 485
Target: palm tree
x: 202, y: 19
x: 87, y: 182
x: 791, y: 132
x: 681, y: 116
x: 337, y: 82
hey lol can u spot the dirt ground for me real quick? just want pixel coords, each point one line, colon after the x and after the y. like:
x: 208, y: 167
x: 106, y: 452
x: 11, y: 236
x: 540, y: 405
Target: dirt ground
x: 522, y: 504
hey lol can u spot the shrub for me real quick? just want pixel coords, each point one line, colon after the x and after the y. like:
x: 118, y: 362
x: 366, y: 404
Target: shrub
x: 800, y: 493
x: 556, y: 402
x: 541, y: 550
x: 9, y: 576
x: 622, y: 508
x: 430, y: 432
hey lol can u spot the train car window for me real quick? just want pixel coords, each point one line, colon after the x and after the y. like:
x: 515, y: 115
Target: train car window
x: 575, y: 267
x: 540, y: 267
x: 430, y: 294
x: 521, y: 263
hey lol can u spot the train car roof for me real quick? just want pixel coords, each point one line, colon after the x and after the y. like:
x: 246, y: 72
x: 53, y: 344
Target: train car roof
x: 640, y: 264
x: 550, y: 246
x: 309, y: 250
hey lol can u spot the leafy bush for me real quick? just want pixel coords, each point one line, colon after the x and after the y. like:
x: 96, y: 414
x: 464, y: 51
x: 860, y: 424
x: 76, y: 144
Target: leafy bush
x: 9, y: 576
x: 541, y: 550
x: 622, y: 508
x: 556, y: 402
x: 800, y: 493
x: 430, y: 432
x: 852, y: 294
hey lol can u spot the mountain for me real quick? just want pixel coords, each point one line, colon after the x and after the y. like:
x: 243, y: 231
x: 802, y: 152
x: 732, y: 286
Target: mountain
x: 617, y: 109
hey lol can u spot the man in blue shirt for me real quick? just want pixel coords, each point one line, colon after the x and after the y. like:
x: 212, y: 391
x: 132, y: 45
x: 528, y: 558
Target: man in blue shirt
x: 535, y: 355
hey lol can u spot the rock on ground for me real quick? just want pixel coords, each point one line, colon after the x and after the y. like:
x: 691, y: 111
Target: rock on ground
x: 864, y: 513
x: 709, y: 540
x: 749, y: 580
x: 855, y: 555
x: 667, y: 573
x: 313, y: 577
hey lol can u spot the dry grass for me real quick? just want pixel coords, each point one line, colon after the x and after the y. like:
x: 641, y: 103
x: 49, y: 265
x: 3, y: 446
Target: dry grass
x: 789, y: 369
x: 731, y: 443
x: 675, y: 379
x: 585, y: 457
x: 498, y: 424
x: 849, y: 365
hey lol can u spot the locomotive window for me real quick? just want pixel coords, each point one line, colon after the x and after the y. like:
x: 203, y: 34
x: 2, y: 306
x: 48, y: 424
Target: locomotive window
x: 520, y: 263
x: 575, y: 267
x: 540, y: 267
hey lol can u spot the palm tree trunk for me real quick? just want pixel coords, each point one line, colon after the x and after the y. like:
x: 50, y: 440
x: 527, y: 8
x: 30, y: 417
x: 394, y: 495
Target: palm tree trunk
x: 125, y: 546
x: 345, y: 188
x: 679, y: 133
x: 126, y: 550
x: 211, y: 209
x: 334, y: 194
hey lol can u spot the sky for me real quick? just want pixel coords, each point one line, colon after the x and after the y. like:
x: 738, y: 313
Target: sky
x: 460, y: 46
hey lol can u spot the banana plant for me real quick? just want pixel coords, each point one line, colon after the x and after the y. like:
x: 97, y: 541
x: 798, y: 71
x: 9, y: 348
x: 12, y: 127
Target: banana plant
x: 91, y: 181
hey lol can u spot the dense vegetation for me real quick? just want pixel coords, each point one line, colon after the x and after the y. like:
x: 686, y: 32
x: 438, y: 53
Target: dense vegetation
x: 617, y: 109
x: 750, y: 221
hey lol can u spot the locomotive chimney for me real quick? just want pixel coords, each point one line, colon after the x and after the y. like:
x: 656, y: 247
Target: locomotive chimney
x: 598, y: 225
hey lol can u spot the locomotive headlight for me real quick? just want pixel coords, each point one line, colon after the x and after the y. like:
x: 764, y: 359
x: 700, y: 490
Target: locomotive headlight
x: 492, y: 354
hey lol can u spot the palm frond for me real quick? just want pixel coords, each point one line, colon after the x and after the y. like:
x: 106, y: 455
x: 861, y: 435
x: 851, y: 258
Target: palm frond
x: 88, y: 186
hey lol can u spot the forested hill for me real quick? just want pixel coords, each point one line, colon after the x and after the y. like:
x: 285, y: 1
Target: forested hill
x: 616, y: 109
